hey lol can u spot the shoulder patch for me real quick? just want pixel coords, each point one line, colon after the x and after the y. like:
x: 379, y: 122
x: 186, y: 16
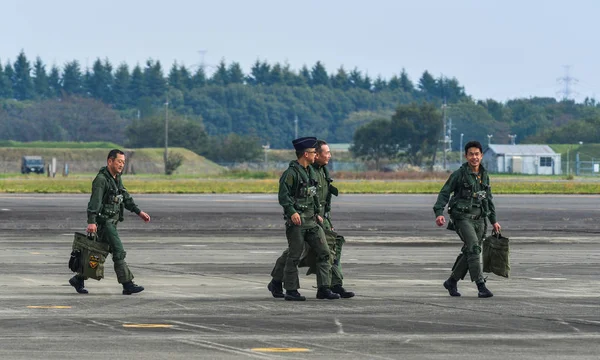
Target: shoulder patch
x: 289, y: 179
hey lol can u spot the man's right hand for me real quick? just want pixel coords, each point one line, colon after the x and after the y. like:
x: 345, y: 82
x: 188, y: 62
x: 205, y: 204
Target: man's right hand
x: 91, y: 228
x: 440, y: 220
x: 296, y: 219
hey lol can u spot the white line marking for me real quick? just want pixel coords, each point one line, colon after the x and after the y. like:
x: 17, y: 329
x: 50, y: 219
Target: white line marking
x: 549, y: 279
x: 339, y: 325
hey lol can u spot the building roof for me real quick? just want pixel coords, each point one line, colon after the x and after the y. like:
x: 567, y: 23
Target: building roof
x: 339, y: 147
x: 530, y: 150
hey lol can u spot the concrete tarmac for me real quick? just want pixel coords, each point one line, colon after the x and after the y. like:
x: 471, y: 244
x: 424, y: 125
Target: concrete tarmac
x: 205, y: 262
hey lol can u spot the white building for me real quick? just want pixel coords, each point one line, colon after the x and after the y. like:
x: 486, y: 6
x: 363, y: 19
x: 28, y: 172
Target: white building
x: 521, y: 159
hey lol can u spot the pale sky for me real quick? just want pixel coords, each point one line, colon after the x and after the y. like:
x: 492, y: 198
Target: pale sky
x: 496, y: 49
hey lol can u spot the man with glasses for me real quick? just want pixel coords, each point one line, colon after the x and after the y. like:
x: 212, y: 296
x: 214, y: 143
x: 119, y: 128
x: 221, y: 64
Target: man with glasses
x: 301, y: 208
x: 105, y: 210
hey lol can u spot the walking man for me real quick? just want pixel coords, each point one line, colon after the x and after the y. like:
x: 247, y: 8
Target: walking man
x: 298, y: 197
x: 105, y: 210
x: 325, y: 190
x: 469, y: 207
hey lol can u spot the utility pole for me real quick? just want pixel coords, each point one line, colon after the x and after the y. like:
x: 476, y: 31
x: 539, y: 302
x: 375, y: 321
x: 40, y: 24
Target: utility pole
x: 461, y: 142
x: 490, y: 136
x: 166, y: 132
x: 447, y: 133
x: 444, y: 133
x: 512, y: 139
x: 266, y: 148
x: 295, y: 126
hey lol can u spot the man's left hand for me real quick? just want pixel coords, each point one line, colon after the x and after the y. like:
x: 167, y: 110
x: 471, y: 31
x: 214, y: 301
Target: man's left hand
x: 497, y: 227
x: 144, y: 216
x: 319, y: 219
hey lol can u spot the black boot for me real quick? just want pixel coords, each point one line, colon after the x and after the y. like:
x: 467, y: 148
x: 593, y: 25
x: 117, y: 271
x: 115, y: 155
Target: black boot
x: 451, y: 286
x: 338, y: 289
x: 483, y: 291
x: 77, y: 283
x: 276, y: 289
x: 324, y: 293
x: 293, y: 295
x: 131, y: 288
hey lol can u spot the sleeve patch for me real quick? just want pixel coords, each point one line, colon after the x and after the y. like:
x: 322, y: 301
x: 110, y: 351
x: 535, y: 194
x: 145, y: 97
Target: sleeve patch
x: 289, y: 179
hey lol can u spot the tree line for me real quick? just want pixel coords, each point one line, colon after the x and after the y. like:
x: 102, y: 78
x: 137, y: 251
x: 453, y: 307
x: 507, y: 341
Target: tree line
x: 269, y: 105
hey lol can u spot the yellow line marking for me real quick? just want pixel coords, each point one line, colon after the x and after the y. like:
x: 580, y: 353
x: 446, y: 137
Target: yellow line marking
x: 280, y: 350
x: 35, y: 253
x: 147, y: 326
x: 48, y: 307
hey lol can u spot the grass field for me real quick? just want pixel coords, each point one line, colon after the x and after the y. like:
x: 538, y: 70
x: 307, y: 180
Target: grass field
x: 200, y: 176
x: 223, y: 185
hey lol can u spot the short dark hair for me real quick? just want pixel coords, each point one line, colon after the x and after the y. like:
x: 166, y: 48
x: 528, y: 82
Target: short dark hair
x: 113, y: 154
x: 319, y: 144
x: 472, y: 144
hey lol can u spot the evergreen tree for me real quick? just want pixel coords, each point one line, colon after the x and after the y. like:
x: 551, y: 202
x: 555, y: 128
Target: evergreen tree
x: 305, y: 75
x: 290, y: 78
x: 259, y: 73
x: 428, y: 86
x: 122, y: 86
x: 319, y: 75
x: 220, y: 77
x: 405, y: 83
x: 341, y: 80
x: 174, y: 78
x: 450, y: 90
x: 40, y: 79
x: 186, y: 78
x: 380, y: 84
x: 101, y: 81
x: 22, y: 83
x: 9, y: 72
x: 199, y: 78
x: 87, y: 83
x: 394, y: 83
x: 356, y: 79
x: 154, y: 80
x: 235, y: 75
x: 137, y: 87
x: 276, y: 75
x: 72, y: 79
x: 54, y: 82
x: 5, y: 85
x: 367, y: 83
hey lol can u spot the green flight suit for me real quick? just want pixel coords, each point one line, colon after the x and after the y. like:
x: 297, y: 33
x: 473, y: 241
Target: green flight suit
x: 106, y: 206
x: 334, y: 241
x: 297, y: 194
x: 470, y: 205
x: 325, y: 190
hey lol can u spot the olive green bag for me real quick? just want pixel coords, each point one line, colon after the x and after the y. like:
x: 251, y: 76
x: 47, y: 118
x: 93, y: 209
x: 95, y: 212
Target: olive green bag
x: 495, y: 254
x: 88, y: 256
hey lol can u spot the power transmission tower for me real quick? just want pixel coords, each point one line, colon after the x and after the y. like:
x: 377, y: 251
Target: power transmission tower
x: 567, y: 82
